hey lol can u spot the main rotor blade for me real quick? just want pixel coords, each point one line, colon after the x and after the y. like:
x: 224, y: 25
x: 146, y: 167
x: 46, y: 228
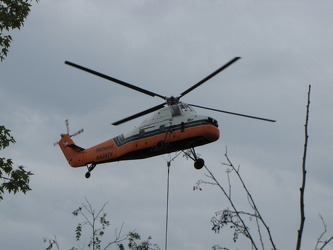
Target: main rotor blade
x: 139, y: 114
x: 210, y: 76
x: 231, y: 113
x: 125, y: 84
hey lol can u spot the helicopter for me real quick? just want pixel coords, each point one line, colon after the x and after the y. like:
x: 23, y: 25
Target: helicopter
x: 174, y: 126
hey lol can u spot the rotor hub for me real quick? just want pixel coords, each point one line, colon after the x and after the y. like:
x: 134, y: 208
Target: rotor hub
x: 172, y: 100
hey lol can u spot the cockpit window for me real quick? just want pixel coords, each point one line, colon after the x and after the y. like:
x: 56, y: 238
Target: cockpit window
x: 186, y: 107
x: 182, y: 106
x: 179, y: 108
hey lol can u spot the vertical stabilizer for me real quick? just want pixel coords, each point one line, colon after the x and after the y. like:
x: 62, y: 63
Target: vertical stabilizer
x: 72, y: 152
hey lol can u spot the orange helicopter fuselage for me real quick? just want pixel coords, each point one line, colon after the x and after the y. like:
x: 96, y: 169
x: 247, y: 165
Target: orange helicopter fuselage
x: 173, y: 128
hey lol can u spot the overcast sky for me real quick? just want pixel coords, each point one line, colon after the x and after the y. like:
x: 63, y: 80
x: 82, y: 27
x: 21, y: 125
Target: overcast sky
x: 166, y: 47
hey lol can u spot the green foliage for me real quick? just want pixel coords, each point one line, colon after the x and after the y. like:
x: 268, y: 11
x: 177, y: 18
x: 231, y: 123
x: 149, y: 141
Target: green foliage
x: 97, y: 223
x: 133, y: 243
x: 13, y: 180
x: 96, y: 220
x: 12, y: 16
x: 51, y: 242
x: 5, y: 137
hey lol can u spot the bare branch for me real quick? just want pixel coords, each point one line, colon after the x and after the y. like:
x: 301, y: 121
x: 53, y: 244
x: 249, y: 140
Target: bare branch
x: 252, y: 203
x: 326, y: 242
x: 322, y: 234
x: 320, y: 241
x: 242, y: 226
x: 119, y: 238
x: 302, y: 189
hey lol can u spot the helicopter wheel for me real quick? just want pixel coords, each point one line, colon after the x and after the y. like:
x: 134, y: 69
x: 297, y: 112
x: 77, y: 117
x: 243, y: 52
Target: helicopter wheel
x: 199, y: 163
x: 90, y: 168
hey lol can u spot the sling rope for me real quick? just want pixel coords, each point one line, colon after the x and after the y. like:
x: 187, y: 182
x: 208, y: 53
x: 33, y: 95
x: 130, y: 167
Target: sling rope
x: 167, y: 207
x: 167, y: 197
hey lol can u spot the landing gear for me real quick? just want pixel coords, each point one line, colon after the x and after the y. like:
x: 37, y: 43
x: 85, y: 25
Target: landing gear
x: 198, y: 162
x: 90, y: 168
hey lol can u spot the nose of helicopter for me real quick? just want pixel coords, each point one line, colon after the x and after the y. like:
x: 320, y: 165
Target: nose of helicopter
x: 212, y: 133
x: 209, y: 132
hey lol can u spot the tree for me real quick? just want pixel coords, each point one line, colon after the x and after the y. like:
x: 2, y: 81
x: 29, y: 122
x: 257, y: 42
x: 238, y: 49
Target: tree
x: 12, y: 16
x: 239, y: 221
x: 97, y: 223
x: 13, y: 180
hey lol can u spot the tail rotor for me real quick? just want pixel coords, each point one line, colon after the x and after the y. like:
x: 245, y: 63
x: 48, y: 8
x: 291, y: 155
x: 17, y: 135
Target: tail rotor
x: 67, y: 132
x: 67, y: 126
x: 76, y: 133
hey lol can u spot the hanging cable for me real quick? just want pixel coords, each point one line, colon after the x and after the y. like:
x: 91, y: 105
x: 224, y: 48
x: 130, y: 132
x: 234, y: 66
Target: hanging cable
x: 167, y: 207
x: 167, y: 196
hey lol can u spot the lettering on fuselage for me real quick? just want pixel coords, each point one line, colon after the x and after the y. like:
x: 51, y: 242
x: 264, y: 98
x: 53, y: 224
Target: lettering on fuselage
x: 101, y: 149
x: 103, y: 156
x: 106, y: 155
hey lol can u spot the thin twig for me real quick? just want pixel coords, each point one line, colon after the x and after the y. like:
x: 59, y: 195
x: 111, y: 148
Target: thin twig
x: 324, y: 242
x: 252, y: 203
x: 246, y: 231
x: 119, y: 238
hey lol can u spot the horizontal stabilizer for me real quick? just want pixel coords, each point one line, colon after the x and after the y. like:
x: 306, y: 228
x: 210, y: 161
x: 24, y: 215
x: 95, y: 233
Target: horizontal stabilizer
x: 75, y: 147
